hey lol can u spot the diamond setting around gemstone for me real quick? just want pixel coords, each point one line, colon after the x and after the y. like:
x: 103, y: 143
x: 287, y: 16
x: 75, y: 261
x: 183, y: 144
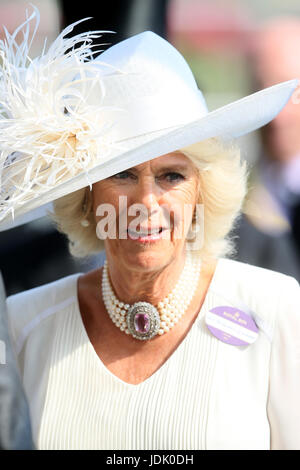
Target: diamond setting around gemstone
x: 143, y: 320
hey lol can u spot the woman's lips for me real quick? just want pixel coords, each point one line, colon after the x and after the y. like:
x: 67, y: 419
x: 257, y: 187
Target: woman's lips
x: 144, y: 236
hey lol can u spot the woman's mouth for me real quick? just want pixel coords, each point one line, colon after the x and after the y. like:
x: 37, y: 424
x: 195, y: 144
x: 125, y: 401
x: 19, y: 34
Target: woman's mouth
x: 144, y: 236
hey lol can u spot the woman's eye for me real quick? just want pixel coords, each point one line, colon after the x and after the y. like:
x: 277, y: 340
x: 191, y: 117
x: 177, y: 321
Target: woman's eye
x: 122, y: 175
x: 174, y: 177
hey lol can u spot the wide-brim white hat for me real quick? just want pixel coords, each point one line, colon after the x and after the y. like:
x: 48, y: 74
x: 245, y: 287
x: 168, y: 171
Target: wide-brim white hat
x: 68, y: 121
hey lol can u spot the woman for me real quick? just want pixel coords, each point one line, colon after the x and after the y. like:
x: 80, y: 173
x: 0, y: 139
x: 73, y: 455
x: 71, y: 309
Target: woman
x: 169, y: 345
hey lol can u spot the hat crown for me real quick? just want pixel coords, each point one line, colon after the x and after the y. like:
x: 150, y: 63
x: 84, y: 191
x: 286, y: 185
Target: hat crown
x: 141, y: 52
x: 149, y: 80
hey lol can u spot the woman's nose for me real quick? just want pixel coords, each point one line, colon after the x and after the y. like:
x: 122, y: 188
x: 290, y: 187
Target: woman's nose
x: 148, y: 193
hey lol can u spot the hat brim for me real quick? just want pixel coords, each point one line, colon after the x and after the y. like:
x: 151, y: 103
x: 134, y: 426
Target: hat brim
x: 228, y: 122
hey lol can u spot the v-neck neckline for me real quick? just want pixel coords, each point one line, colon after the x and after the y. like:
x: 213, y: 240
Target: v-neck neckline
x: 98, y: 359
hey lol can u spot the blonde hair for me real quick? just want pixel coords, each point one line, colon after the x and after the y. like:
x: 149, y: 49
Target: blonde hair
x: 222, y: 188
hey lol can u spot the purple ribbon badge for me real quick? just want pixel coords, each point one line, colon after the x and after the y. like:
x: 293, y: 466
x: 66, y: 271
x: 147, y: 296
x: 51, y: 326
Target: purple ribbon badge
x: 231, y: 325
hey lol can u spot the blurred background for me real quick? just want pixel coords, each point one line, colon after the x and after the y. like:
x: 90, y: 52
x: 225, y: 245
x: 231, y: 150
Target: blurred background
x: 234, y: 47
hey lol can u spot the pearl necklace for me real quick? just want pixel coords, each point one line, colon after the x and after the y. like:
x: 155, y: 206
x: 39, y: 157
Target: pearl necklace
x: 142, y: 320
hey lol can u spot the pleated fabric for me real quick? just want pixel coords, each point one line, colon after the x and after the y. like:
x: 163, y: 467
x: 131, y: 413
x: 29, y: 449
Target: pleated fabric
x: 88, y: 407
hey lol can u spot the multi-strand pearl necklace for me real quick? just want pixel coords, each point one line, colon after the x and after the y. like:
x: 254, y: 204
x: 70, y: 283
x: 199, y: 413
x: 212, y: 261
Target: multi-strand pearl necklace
x: 144, y: 321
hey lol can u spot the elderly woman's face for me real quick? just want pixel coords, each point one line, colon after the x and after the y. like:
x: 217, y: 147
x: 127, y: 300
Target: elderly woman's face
x: 145, y: 212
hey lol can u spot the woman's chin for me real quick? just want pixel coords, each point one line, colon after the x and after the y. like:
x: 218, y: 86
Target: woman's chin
x: 145, y: 255
x: 146, y: 260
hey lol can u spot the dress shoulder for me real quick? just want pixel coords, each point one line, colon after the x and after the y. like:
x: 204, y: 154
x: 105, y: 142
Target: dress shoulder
x: 256, y: 274
x: 26, y: 310
x: 268, y: 294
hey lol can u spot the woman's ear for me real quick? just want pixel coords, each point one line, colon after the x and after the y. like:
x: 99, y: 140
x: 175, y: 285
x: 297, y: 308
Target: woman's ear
x: 86, y: 207
x: 91, y: 191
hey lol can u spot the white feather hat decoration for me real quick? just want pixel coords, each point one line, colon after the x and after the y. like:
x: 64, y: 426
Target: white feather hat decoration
x: 68, y: 120
x: 49, y: 130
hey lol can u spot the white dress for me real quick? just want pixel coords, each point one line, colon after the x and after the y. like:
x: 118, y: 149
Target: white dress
x: 207, y: 395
